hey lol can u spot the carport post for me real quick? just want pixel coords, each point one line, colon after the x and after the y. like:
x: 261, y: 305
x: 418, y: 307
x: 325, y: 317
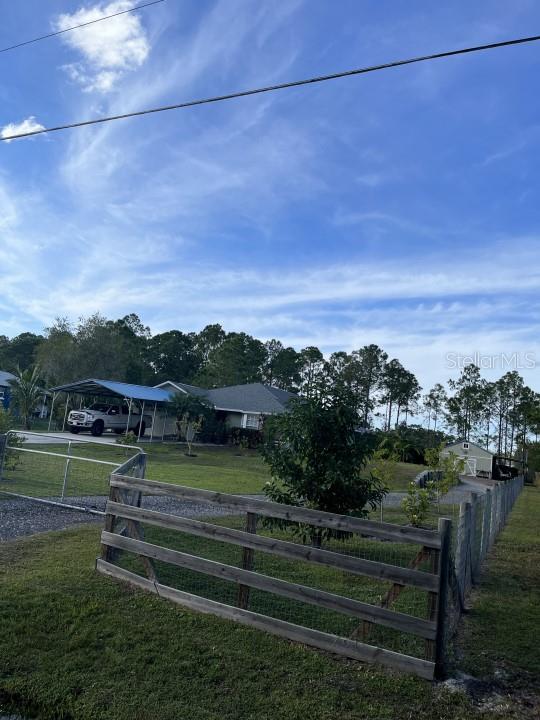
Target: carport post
x: 164, y: 424
x: 66, y: 471
x: 65, y: 413
x: 153, y: 422
x: 129, y: 415
x: 52, y: 408
x: 141, y: 421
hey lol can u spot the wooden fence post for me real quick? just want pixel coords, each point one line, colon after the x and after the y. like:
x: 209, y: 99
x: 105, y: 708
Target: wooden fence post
x: 248, y: 556
x: 445, y: 532
x: 460, y: 554
x: 486, y: 524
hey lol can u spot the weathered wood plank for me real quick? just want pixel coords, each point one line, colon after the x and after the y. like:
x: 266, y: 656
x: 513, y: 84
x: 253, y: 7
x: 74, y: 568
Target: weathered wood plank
x: 358, y: 566
x: 291, y: 513
x: 294, y: 591
x: 248, y: 556
x: 445, y: 531
x: 315, y: 638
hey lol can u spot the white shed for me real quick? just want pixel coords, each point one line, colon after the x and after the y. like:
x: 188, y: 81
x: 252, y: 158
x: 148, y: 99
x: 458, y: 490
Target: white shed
x: 477, y: 459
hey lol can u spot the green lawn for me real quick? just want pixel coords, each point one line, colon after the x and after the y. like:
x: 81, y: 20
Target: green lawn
x: 509, y: 600
x: 78, y: 646
x: 223, y: 469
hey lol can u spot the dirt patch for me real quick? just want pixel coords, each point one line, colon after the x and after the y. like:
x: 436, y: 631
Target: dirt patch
x: 507, y: 694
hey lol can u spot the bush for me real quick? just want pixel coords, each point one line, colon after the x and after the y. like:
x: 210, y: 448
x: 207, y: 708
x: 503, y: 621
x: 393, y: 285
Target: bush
x: 6, y: 421
x: 245, y: 438
x: 129, y: 439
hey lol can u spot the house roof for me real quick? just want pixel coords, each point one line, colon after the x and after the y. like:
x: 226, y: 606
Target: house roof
x: 5, y: 378
x: 252, y: 397
x: 111, y: 388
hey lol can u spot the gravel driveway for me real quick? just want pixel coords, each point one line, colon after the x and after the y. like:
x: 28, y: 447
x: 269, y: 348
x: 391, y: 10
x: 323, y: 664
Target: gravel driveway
x: 19, y: 517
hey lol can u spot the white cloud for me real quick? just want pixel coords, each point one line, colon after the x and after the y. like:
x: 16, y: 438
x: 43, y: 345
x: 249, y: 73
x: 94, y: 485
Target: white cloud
x: 26, y: 126
x: 109, y: 49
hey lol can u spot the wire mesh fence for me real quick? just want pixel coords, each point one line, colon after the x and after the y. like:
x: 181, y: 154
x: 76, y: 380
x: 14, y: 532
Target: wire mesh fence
x: 366, y: 584
x: 54, y: 469
x: 481, y: 518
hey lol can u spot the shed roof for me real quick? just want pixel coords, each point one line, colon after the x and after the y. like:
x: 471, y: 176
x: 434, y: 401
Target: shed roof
x: 462, y: 440
x: 111, y: 388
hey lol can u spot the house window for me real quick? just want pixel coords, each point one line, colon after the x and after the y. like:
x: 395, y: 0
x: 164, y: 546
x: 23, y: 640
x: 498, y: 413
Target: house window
x: 251, y: 421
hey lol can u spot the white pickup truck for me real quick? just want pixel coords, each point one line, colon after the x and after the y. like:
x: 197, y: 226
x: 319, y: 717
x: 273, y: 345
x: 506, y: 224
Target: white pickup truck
x: 108, y: 416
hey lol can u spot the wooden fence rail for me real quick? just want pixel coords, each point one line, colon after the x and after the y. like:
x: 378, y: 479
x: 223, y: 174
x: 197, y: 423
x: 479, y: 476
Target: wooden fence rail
x: 480, y: 520
x: 123, y: 532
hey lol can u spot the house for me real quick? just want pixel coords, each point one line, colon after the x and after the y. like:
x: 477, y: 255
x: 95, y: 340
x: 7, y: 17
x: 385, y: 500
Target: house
x: 478, y: 460
x: 5, y: 388
x: 238, y: 406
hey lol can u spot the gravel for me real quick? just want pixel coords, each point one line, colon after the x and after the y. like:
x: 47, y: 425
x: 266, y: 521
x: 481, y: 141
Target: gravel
x: 20, y: 517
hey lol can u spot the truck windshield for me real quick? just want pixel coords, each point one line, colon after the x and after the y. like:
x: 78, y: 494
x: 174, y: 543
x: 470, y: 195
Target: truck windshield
x: 99, y: 407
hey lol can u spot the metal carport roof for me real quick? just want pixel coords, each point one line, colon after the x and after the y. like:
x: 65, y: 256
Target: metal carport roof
x: 111, y: 388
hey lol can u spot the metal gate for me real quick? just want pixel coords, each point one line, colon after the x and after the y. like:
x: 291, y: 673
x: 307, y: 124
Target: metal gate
x: 70, y: 473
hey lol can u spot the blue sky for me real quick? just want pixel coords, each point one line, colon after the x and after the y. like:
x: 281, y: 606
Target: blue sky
x: 399, y: 208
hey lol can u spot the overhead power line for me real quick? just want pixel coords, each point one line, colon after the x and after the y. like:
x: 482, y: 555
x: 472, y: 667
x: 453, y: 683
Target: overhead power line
x: 281, y: 86
x: 75, y: 27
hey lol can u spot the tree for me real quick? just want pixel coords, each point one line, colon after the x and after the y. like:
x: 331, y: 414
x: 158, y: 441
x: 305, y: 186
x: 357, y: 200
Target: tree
x: 57, y: 355
x: 370, y: 361
x: 312, y: 370
x: 434, y: 402
x: 190, y: 411
x: 317, y: 458
x: 208, y: 340
x: 239, y: 359
x: 26, y: 393
x: 466, y: 405
x: 20, y: 351
x: 173, y: 356
x: 392, y: 381
x: 282, y: 366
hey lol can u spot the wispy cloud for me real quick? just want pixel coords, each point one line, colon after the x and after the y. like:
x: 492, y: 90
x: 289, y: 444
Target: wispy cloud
x: 25, y: 126
x: 109, y: 50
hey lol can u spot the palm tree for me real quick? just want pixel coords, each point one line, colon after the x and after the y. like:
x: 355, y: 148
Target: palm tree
x: 26, y: 392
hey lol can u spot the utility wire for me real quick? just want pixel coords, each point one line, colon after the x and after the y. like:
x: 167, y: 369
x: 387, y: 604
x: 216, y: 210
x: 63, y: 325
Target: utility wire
x: 75, y: 27
x: 281, y: 86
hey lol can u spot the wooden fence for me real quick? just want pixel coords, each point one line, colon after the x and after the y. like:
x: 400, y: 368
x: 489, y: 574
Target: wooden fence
x: 481, y: 518
x: 124, y: 532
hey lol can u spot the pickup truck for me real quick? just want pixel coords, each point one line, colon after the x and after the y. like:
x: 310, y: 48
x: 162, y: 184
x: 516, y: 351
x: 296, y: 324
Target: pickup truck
x: 108, y: 416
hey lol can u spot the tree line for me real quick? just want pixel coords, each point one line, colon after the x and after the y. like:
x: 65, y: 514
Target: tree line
x: 499, y: 415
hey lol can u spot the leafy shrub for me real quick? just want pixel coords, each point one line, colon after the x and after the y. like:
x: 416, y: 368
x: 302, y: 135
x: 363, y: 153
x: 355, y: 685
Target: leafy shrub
x: 417, y: 502
x: 128, y: 439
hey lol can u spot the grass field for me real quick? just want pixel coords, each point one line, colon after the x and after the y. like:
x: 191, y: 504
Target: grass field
x: 222, y: 469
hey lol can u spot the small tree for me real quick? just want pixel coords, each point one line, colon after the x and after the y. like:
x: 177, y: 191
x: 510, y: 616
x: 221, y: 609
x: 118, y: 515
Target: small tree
x: 417, y: 502
x: 191, y: 412
x: 26, y: 392
x: 317, y: 458
x: 383, y: 468
x: 448, y: 465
